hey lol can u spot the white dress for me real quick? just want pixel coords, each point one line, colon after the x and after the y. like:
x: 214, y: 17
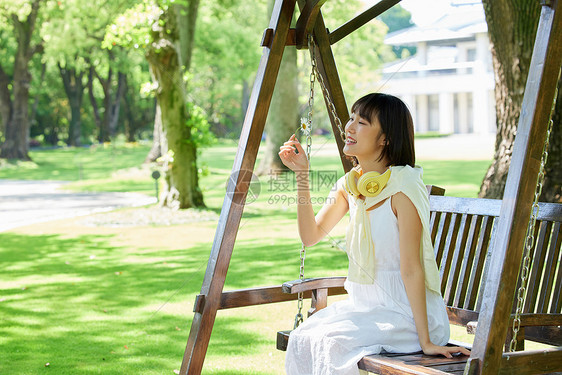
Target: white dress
x: 375, y: 317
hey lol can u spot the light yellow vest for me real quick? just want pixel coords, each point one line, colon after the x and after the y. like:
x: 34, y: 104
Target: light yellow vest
x: 360, y: 246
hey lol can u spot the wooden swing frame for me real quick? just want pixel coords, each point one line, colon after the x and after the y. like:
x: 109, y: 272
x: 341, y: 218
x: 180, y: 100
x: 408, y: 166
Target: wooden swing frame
x: 486, y: 356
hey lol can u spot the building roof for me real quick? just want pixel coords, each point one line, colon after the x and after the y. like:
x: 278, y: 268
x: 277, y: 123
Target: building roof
x: 462, y: 22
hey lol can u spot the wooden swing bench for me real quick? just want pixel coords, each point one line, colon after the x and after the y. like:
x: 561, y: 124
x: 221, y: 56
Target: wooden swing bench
x: 462, y: 231
x: 478, y: 243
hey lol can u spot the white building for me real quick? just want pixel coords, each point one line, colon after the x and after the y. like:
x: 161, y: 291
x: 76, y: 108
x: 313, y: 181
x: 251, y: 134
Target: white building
x: 449, y: 83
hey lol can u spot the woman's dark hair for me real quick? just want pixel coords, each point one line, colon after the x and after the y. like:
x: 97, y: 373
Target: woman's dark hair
x: 396, y: 123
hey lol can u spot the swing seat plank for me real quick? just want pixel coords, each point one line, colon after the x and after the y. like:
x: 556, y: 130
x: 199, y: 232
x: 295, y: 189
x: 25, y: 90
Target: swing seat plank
x: 520, y: 363
x: 413, y: 363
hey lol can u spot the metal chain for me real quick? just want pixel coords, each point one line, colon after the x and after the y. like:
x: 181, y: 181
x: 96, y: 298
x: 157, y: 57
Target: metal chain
x: 310, y: 101
x: 331, y: 107
x: 530, y: 236
x: 299, y: 317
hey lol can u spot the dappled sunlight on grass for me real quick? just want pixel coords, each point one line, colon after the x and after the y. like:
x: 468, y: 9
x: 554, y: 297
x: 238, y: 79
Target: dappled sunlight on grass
x: 96, y: 304
x: 105, y: 310
x: 78, y: 163
x: 99, y: 300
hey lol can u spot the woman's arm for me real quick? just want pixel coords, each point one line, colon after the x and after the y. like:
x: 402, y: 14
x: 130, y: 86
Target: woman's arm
x: 410, y: 234
x: 312, y: 228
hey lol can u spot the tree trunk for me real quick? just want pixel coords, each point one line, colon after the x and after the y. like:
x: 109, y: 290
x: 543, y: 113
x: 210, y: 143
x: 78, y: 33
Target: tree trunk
x: 130, y: 123
x: 105, y: 83
x: 182, y: 189
x: 186, y: 17
x: 94, y: 102
x: 33, y: 116
x: 16, y: 127
x: 512, y: 26
x: 74, y: 88
x: 156, y: 149
x: 5, y: 100
x: 115, y: 104
x: 282, y: 119
x: 111, y: 103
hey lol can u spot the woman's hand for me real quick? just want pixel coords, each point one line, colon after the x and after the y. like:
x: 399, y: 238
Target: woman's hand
x: 289, y: 157
x: 447, y: 351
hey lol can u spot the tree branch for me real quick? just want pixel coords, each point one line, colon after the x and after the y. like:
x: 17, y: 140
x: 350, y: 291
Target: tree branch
x: 186, y: 18
x: 92, y: 97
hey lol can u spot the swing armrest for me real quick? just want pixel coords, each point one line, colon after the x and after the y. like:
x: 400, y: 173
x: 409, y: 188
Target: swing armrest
x: 298, y: 286
x: 321, y: 288
x: 527, y: 320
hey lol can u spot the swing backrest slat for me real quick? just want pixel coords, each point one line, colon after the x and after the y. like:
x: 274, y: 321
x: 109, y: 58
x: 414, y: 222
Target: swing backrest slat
x: 463, y: 232
x: 544, y: 281
x: 537, y: 267
x: 462, y: 229
x: 552, y: 263
x: 556, y: 304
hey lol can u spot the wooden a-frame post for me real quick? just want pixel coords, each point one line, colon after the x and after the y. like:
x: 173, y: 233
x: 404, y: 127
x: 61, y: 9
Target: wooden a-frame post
x: 237, y: 189
x: 486, y: 357
x: 275, y: 39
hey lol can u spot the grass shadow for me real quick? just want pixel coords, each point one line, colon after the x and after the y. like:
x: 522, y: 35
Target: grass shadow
x: 86, y: 306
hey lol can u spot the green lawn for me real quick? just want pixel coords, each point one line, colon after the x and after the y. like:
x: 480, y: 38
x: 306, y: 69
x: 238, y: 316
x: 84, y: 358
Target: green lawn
x: 119, y: 168
x: 75, y: 163
x: 119, y: 300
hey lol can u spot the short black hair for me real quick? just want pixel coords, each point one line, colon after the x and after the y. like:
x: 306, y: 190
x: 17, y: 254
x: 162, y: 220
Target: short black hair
x: 396, y: 123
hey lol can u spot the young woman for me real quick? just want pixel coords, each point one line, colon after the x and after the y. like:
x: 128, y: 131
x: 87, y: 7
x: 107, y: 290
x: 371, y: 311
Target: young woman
x: 394, y: 300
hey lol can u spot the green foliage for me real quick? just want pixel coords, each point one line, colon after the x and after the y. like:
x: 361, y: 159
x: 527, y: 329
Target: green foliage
x: 67, y: 33
x: 228, y: 50
x: 50, y: 124
x: 398, y: 18
x: 70, y: 33
x: 114, y: 35
x: 131, y: 29
x: 8, y: 44
x: 19, y: 8
x: 359, y: 58
x: 226, y: 55
x: 200, y: 130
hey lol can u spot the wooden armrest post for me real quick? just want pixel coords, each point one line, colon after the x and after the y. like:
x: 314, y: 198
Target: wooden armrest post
x: 520, y: 339
x: 319, y: 300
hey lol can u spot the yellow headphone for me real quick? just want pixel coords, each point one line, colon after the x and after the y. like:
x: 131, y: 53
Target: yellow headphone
x: 369, y: 184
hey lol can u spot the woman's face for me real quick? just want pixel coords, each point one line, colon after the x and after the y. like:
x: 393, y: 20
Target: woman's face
x: 364, y: 139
